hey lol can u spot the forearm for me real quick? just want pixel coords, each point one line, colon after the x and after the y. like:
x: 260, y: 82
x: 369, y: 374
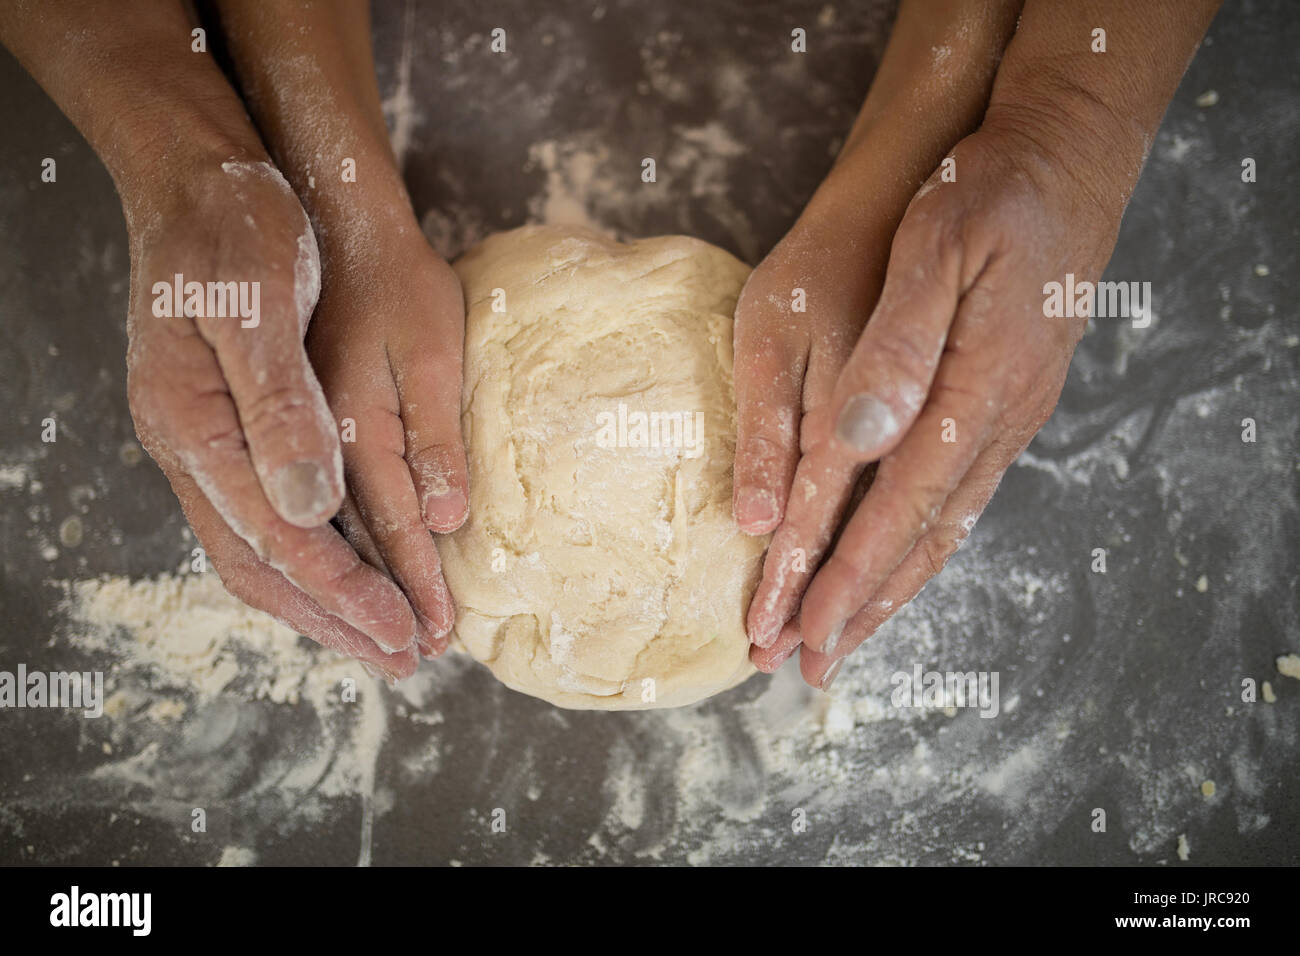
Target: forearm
x: 125, y: 75
x: 308, y: 76
x: 932, y: 86
x: 1095, y: 114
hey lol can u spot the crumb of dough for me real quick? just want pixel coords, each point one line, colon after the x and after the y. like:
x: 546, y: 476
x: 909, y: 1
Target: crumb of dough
x: 1269, y: 696
x: 1207, y: 788
x: 130, y: 454
x: 1184, y: 849
x: 1288, y: 665
x: 71, y: 531
x: 1207, y: 99
x: 1202, y: 584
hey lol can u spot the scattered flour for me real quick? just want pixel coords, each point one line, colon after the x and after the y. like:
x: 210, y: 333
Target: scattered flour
x: 186, y: 660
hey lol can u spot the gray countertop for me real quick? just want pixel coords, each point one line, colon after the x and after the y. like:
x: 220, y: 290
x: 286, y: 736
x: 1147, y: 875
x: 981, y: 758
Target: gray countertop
x: 1119, y: 691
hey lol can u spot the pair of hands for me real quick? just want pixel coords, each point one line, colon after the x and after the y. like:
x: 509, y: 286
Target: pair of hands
x: 953, y: 374
x: 245, y: 422
x: 948, y: 381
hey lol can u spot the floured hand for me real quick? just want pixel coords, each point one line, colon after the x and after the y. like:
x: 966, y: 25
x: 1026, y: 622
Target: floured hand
x: 231, y: 410
x: 955, y: 372
x: 387, y: 343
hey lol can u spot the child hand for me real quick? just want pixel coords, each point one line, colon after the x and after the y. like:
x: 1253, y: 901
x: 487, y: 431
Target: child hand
x: 387, y: 342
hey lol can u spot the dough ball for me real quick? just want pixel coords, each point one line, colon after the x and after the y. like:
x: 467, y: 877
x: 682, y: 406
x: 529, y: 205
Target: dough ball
x: 600, y: 566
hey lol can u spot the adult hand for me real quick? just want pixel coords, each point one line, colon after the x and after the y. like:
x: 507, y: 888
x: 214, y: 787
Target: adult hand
x: 959, y: 364
x: 232, y: 413
x: 236, y: 418
x: 805, y: 306
x: 957, y: 369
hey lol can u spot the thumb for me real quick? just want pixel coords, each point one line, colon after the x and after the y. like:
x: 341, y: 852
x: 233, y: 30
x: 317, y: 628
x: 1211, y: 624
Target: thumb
x: 884, y: 385
x: 283, y: 415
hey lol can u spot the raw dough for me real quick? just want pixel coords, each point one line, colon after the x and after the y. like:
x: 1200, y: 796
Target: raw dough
x: 589, y: 574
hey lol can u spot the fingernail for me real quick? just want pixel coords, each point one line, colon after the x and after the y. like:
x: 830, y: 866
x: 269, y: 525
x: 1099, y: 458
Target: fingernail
x: 787, y: 655
x: 423, y: 641
x: 764, y: 633
x: 302, y: 494
x: 755, y: 506
x: 865, y: 423
x: 833, y: 638
x: 445, y: 510
x: 829, y: 677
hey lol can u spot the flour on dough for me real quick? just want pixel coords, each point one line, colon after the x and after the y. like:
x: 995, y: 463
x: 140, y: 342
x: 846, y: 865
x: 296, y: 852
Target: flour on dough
x: 595, y: 570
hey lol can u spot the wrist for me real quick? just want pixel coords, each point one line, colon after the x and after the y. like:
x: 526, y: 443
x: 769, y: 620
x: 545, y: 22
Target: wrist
x: 1061, y: 129
x: 368, y: 223
x: 1088, y: 83
x: 175, y: 167
x: 937, y: 70
x: 930, y: 92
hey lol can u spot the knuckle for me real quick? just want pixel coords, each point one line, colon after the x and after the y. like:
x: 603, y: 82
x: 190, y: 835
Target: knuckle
x: 759, y: 449
x: 433, y: 461
x: 847, y: 565
x: 935, y: 552
x: 428, y: 468
x: 907, y: 360
x: 279, y: 408
x: 957, y: 397
x: 406, y: 525
x: 928, y: 237
x: 224, y: 437
x: 923, y: 504
x: 237, y: 577
x: 378, y: 432
x: 346, y: 577
x: 282, y: 545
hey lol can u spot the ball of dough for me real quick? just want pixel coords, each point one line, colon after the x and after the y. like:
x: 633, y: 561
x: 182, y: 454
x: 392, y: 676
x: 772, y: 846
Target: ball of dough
x: 600, y: 566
